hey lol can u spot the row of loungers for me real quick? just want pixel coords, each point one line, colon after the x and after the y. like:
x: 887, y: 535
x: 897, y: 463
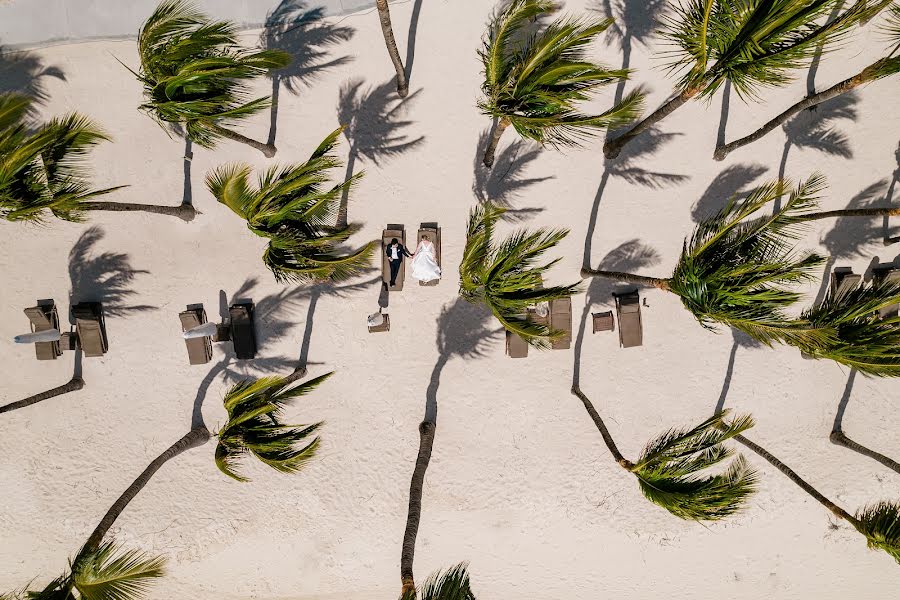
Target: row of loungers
x: 844, y: 280
x: 89, y: 335
x: 239, y: 329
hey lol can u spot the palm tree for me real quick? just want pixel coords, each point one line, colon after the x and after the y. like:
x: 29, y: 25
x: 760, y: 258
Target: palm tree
x: 42, y: 169
x: 536, y: 85
x: 504, y: 277
x: 753, y: 45
x: 105, y: 572
x: 195, y: 74
x: 452, y: 584
x: 881, y: 68
x: 669, y: 468
x: 863, y: 341
x: 384, y: 17
x: 732, y: 270
x: 290, y: 207
x: 879, y: 523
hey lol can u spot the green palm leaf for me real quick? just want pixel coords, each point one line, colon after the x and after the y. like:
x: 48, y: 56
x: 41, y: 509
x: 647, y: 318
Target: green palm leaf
x: 452, y: 584
x: 670, y: 467
x: 536, y: 85
x: 295, y: 210
x: 506, y: 277
x: 109, y: 573
x: 195, y: 73
x: 880, y: 523
x: 254, y: 426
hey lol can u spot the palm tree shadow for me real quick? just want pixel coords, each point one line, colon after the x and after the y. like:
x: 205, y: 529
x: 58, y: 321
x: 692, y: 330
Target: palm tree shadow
x: 303, y: 33
x: 840, y: 438
x: 411, y: 38
x: 629, y: 256
x: 741, y: 340
x: 105, y: 277
x: 502, y: 184
x: 731, y: 182
x: 23, y: 72
x: 888, y: 240
x: 375, y: 124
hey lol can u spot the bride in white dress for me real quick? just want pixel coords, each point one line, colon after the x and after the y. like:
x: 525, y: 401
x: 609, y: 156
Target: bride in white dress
x: 424, y: 264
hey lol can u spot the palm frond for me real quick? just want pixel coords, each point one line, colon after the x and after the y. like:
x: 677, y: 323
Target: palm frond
x: 109, y: 573
x: 452, y: 584
x: 880, y: 523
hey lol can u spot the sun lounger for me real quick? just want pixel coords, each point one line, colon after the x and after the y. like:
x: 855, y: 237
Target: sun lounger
x: 516, y: 346
x: 243, y: 333
x: 385, y: 325
x: 90, y: 327
x: 843, y: 281
x: 432, y: 233
x: 44, y: 317
x: 561, y: 320
x: 603, y: 321
x: 390, y: 232
x: 199, y: 349
x: 889, y: 275
x: 628, y: 309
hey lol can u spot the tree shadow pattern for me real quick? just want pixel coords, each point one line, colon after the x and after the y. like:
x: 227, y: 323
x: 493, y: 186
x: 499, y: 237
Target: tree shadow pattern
x: 25, y: 73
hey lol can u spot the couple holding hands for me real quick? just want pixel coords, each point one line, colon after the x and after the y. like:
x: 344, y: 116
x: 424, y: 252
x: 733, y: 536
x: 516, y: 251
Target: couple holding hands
x: 424, y: 262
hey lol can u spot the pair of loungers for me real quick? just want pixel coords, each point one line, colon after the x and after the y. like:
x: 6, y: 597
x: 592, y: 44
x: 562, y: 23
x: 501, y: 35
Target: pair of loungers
x: 238, y: 328
x: 558, y: 317
x: 844, y: 280
x: 431, y: 232
x: 631, y: 327
x: 90, y: 329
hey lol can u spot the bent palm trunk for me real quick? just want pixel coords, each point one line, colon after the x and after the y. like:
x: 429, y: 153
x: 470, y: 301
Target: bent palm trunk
x: 185, y: 212
x: 612, y: 148
x: 73, y: 385
x: 865, y: 76
x: 656, y: 282
x: 268, y: 150
x: 384, y: 15
x: 886, y: 211
x: 194, y: 438
x: 604, y: 431
x: 840, y: 438
x: 491, y: 150
x: 426, y: 444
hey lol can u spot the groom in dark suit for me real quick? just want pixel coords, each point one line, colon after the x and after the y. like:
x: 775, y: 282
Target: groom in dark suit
x: 395, y: 252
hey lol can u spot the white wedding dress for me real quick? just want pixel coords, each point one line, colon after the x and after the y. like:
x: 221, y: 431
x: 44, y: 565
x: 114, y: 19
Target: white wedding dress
x: 424, y: 265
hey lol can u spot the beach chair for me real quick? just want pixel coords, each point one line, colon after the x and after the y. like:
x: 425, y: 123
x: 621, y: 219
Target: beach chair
x: 242, y: 331
x: 516, y: 346
x: 628, y: 310
x: 90, y: 328
x: 432, y: 233
x: 603, y: 321
x: 199, y: 349
x: 390, y: 232
x: 561, y: 320
x: 843, y: 280
x: 44, y: 317
x: 887, y: 275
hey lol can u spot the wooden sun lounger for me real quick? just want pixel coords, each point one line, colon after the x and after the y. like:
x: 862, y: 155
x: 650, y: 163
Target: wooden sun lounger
x: 432, y: 233
x: 199, y: 349
x: 889, y: 275
x: 390, y: 232
x: 385, y: 325
x: 631, y: 329
x: 516, y: 346
x: 243, y: 333
x: 561, y: 320
x: 90, y: 327
x: 44, y: 317
x: 843, y: 281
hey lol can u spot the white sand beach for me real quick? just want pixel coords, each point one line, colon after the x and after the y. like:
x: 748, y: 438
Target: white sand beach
x: 520, y: 483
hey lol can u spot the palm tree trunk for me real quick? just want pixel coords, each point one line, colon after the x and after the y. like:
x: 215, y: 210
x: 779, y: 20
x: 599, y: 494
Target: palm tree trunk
x: 790, y: 474
x: 491, y: 149
x: 268, y: 150
x: 384, y: 15
x: 885, y: 211
x: 607, y: 437
x: 194, y: 438
x: 73, y: 385
x: 656, y: 282
x: 185, y: 212
x: 612, y: 148
x: 841, y: 439
x: 864, y: 76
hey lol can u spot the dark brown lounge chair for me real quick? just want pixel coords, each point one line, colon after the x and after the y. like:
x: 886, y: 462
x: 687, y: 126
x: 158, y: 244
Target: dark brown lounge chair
x: 890, y: 275
x: 843, y: 281
x: 243, y: 333
x: 390, y: 232
x: 90, y: 327
x: 199, y: 349
x: 561, y: 320
x: 432, y: 233
x: 631, y: 329
x: 603, y: 321
x: 44, y: 317
x: 516, y: 346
